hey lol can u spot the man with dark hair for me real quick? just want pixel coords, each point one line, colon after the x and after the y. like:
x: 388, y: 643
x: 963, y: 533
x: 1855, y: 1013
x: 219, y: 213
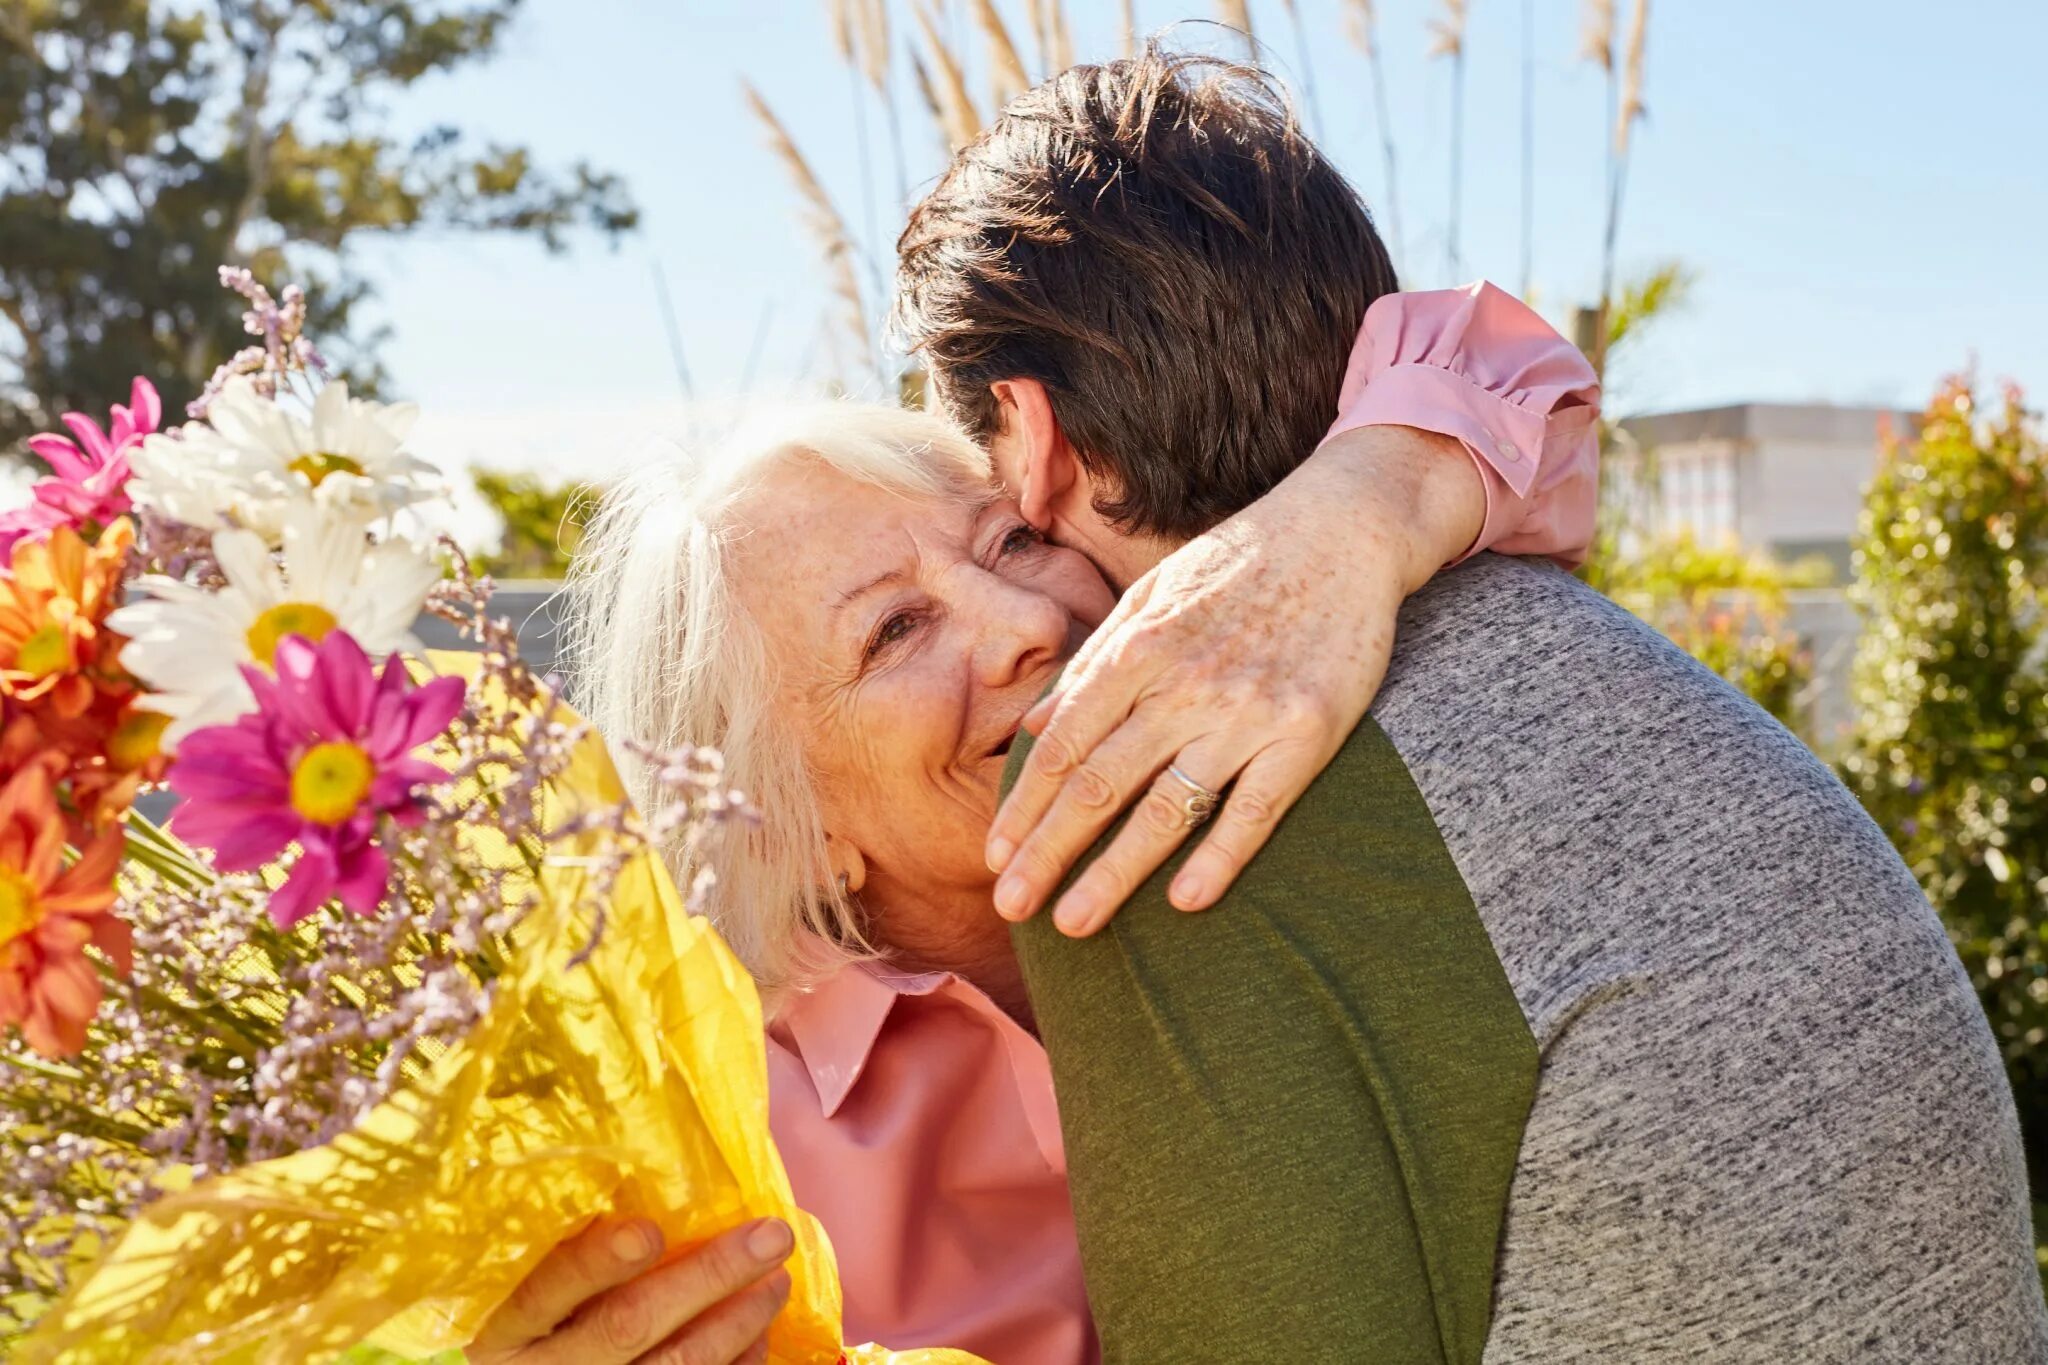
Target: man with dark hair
x: 1055, y: 251
x: 1575, y: 1012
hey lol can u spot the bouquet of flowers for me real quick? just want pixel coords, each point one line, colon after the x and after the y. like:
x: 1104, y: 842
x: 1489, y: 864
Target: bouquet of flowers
x: 404, y: 993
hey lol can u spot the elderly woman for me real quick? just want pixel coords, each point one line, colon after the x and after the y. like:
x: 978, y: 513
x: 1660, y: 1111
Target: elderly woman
x: 844, y: 603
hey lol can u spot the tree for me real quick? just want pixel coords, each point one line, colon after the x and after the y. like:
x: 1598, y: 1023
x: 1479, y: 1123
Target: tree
x: 543, y: 523
x: 1951, y: 751
x: 142, y: 144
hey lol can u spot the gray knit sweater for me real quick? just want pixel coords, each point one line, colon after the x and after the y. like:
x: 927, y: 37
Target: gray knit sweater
x: 1770, y: 1123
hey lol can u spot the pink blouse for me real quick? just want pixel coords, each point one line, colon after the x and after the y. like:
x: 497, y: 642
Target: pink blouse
x: 1480, y: 365
x: 917, y: 1119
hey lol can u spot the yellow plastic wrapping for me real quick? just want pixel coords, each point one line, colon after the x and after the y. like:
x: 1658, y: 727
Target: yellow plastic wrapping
x: 635, y: 1083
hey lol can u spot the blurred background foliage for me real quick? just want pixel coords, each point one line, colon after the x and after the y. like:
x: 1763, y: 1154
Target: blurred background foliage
x: 142, y: 144
x: 1951, y: 751
x: 542, y: 522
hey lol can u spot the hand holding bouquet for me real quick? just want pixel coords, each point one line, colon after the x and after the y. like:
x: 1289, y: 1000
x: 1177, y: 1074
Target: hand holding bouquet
x: 405, y: 994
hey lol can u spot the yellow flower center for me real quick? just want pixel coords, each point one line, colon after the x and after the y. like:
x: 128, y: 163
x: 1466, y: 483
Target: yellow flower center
x: 331, y: 781
x: 19, y: 909
x: 309, y: 619
x: 319, y: 464
x: 137, y: 739
x: 45, y: 652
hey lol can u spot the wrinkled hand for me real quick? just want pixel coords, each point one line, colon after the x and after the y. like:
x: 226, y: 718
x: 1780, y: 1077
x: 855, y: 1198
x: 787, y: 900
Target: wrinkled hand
x: 601, y: 1299
x: 1245, y: 657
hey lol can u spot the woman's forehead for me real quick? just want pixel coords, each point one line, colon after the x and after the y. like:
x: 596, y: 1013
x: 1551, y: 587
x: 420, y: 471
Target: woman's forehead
x: 813, y: 492
x: 814, y: 534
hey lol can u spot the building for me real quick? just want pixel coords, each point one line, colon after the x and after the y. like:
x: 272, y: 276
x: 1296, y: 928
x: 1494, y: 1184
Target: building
x: 1784, y: 478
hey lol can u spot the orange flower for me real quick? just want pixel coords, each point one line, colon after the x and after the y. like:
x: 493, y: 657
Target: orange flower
x: 49, y: 913
x: 103, y: 787
x: 101, y: 757
x: 52, y: 646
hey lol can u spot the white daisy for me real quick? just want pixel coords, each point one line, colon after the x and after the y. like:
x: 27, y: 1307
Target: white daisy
x: 253, y: 460
x: 188, y: 644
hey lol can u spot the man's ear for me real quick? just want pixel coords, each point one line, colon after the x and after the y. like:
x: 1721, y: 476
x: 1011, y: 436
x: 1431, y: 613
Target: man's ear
x: 1036, y: 459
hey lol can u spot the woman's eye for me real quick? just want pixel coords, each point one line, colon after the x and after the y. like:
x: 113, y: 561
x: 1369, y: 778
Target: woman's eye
x: 1021, y: 538
x: 891, y: 630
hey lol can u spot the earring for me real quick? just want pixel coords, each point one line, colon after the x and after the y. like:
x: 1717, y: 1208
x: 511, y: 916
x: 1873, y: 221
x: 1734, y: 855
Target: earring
x: 842, y: 886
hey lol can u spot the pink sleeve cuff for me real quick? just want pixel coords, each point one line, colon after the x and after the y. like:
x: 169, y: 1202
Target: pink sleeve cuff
x: 1478, y: 365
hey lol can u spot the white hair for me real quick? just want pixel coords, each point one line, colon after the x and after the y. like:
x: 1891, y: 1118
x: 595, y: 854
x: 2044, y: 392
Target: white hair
x: 661, y: 653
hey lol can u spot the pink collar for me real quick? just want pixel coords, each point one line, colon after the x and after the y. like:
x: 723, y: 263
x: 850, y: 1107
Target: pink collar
x: 836, y: 1022
x: 835, y: 1026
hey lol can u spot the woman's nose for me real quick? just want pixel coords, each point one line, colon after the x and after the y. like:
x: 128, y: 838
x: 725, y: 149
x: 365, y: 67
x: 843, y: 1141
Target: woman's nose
x: 1022, y: 631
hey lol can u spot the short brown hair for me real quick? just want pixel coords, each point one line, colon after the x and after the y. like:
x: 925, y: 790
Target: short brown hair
x: 1156, y: 242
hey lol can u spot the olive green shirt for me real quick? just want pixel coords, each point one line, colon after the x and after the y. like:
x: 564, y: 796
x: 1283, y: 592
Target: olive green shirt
x: 1291, y: 1120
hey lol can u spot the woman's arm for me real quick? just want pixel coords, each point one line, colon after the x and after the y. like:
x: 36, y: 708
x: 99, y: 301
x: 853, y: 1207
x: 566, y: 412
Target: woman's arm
x: 1465, y: 423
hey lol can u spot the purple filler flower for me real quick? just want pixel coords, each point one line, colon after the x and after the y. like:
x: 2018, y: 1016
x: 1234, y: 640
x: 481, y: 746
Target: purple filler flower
x: 326, y: 752
x: 91, y: 472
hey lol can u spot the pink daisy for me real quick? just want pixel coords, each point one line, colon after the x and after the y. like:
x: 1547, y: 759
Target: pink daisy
x: 325, y: 754
x: 90, y: 483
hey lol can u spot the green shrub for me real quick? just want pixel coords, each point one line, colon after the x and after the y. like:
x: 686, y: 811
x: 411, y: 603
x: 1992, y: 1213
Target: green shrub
x: 543, y: 523
x: 1951, y: 746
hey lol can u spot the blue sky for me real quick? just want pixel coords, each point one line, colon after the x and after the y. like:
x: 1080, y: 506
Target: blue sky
x: 1859, y: 188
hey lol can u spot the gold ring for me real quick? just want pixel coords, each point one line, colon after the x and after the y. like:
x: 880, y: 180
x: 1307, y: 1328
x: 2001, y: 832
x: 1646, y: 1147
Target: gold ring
x: 1200, y: 802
